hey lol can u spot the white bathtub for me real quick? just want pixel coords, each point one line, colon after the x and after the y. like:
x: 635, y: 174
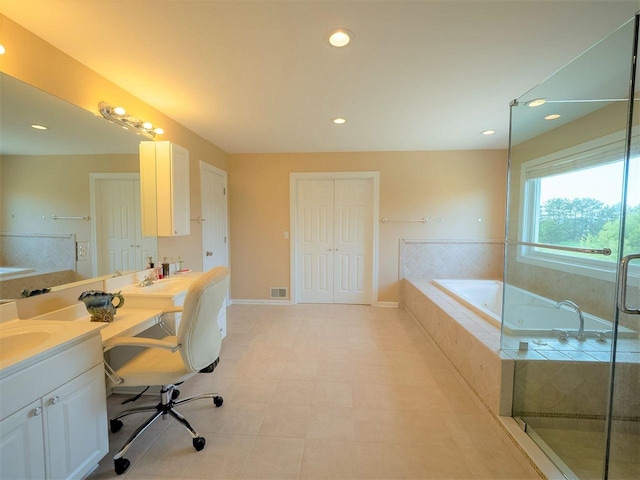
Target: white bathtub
x: 526, y: 314
x: 10, y: 271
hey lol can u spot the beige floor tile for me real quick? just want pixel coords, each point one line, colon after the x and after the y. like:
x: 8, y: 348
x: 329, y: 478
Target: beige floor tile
x: 168, y: 456
x: 294, y: 392
x: 282, y: 420
x: 440, y: 463
x: 383, y: 461
x: 252, y: 390
x: 382, y: 426
x: 329, y: 459
x: 495, y: 464
x: 240, y: 418
x: 333, y: 394
x: 300, y: 371
x: 266, y: 370
x: 274, y: 458
x: 223, y: 457
x: 331, y: 423
x: 474, y: 431
x: 334, y: 372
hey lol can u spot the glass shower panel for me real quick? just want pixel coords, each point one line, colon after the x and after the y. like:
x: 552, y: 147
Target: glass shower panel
x: 565, y: 206
x: 624, y: 448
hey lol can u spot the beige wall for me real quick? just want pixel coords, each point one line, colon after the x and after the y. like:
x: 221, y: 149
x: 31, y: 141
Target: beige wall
x: 36, y: 62
x: 456, y: 186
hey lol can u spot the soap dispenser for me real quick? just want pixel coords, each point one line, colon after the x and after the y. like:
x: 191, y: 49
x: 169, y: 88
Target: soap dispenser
x: 165, y: 267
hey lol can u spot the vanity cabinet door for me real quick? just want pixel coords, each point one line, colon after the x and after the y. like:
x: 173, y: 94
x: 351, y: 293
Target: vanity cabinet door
x: 76, y: 419
x: 164, y: 189
x: 22, y: 444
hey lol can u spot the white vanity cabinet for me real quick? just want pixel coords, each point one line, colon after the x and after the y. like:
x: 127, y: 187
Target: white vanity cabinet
x: 54, y: 416
x: 164, y: 189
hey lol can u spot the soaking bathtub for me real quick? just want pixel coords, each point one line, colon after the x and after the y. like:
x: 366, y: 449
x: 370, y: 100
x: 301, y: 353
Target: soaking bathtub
x: 527, y: 314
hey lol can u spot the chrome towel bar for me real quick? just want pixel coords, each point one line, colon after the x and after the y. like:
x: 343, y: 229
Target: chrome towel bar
x: 389, y: 220
x: 593, y: 251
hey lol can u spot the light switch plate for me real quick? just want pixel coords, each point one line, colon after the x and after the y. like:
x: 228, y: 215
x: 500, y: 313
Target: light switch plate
x: 82, y: 251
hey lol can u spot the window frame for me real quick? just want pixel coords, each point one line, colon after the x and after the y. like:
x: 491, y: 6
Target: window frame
x: 562, y: 161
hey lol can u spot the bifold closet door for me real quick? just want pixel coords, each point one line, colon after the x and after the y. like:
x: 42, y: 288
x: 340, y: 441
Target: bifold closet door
x: 335, y: 222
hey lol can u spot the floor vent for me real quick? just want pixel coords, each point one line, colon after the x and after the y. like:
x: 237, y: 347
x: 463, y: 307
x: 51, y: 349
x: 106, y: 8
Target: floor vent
x: 277, y: 292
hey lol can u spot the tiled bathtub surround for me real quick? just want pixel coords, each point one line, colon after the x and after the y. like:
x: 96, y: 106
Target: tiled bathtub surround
x: 52, y: 256
x: 427, y: 259
x: 470, y: 343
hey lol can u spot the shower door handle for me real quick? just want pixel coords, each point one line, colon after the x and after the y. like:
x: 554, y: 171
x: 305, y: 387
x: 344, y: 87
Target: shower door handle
x: 622, y: 284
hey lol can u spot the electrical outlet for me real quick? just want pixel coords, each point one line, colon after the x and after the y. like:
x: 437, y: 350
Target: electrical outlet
x: 82, y: 251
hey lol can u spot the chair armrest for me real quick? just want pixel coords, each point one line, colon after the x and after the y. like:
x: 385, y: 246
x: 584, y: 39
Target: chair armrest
x: 140, y: 342
x: 172, y: 310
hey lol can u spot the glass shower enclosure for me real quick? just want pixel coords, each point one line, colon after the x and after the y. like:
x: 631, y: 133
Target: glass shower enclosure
x: 571, y: 299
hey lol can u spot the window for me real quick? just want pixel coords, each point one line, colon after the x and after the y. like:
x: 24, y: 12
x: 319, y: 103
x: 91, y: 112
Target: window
x: 573, y: 198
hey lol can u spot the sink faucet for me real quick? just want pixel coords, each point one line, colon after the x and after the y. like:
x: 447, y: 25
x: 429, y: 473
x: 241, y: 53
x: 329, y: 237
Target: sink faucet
x: 581, y: 336
x: 149, y: 279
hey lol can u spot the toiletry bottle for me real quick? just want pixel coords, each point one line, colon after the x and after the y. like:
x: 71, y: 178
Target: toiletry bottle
x: 179, y: 264
x: 165, y: 267
x: 150, y: 260
x: 159, y: 272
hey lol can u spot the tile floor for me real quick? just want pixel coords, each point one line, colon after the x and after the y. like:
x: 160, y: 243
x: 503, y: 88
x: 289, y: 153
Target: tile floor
x: 325, y: 392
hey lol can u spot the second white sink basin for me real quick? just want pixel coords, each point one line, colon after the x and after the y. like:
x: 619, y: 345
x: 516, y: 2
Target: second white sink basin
x: 166, y: 286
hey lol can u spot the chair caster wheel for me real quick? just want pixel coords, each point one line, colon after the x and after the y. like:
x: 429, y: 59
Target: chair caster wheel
x: 198, y: 443
x: 175, y: 394
x: 121, y: 465
x: 217, y: 401
x: 115, y: 425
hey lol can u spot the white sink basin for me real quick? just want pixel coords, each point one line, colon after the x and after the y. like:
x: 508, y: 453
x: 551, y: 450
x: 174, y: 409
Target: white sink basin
x: 166, y: 286
x: 16, y: 339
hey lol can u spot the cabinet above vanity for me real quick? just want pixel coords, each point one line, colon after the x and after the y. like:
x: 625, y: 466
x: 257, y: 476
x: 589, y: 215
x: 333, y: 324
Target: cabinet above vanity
x: 164, y: 189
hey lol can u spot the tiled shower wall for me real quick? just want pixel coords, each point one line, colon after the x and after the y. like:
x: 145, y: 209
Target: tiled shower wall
x: 428, y: 259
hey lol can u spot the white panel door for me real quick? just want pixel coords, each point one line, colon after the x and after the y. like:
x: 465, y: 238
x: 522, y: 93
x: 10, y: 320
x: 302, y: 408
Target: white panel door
x: 116, y: 212
x: 352, y: 241
x: 214, y: 213
x: 334, y: 232
x: 315, y: 240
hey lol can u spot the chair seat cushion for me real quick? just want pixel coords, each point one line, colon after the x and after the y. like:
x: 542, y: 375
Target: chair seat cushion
x: 155, y: 366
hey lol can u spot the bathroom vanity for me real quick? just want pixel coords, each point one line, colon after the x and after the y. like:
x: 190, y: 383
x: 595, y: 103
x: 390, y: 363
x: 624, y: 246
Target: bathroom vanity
x: 53, y: 415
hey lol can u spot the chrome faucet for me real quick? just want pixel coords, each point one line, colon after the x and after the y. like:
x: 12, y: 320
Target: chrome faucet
x: 149, y: 279
x: 581, y: 336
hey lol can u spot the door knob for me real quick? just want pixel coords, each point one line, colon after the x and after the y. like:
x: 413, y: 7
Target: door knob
x: 209, y: 254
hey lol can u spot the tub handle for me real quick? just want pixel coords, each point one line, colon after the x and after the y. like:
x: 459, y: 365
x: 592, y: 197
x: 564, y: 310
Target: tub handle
x: 622, y: 284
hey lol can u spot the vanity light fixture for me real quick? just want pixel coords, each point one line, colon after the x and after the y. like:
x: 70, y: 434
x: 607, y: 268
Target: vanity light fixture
x: 536, y: 102
x: 339, y: 37
x: 339, y: 121
x: 2, y: 50
x: 553, y: 116
x: 119, y: 116
x: 488, y: 132
x: 39, y: 127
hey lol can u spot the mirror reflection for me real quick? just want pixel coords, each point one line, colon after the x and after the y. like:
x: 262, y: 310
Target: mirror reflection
x: 70, y: 193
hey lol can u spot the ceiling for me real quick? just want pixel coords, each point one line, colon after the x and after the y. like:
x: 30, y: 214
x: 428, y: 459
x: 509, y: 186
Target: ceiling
x: 258, y: 76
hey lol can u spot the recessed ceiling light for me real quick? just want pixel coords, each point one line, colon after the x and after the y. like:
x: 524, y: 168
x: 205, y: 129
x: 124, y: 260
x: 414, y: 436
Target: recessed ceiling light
x: 552, y: 116
x: 488, y: 132
x: 339, y: 121
x: 536, y: 102
x: 2, y: 50
x: 39, y: 127
x: 339, y: 37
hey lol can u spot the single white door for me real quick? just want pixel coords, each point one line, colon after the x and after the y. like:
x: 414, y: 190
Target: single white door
x: 334, y: 232
x: 115, y: 209
x: 214, y: 217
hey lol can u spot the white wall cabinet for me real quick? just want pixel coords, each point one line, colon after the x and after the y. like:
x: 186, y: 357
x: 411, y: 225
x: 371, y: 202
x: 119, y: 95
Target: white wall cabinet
x: 164, y: 189
x: 62, y: 434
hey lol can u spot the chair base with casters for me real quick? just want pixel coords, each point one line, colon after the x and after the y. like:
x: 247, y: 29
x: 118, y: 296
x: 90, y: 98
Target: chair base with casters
x: 168, y: 401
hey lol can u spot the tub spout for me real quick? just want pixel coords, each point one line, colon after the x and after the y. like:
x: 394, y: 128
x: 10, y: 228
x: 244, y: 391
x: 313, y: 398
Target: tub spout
x: 568, y: 303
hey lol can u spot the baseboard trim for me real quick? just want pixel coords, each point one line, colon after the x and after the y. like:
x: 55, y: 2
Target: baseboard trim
x: 249, y: 301
x: 387, y: 304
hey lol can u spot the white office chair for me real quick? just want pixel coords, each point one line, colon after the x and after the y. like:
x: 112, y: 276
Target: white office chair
x: 174, y: 359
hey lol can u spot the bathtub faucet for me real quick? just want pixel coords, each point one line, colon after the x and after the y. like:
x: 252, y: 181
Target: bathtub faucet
x: 581, y: 336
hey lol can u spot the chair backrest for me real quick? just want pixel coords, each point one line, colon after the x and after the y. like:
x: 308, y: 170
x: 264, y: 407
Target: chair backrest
x: 198, y: 332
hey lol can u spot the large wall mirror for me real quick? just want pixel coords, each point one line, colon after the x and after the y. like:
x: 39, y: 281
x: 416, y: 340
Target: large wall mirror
x: 70, y: 193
